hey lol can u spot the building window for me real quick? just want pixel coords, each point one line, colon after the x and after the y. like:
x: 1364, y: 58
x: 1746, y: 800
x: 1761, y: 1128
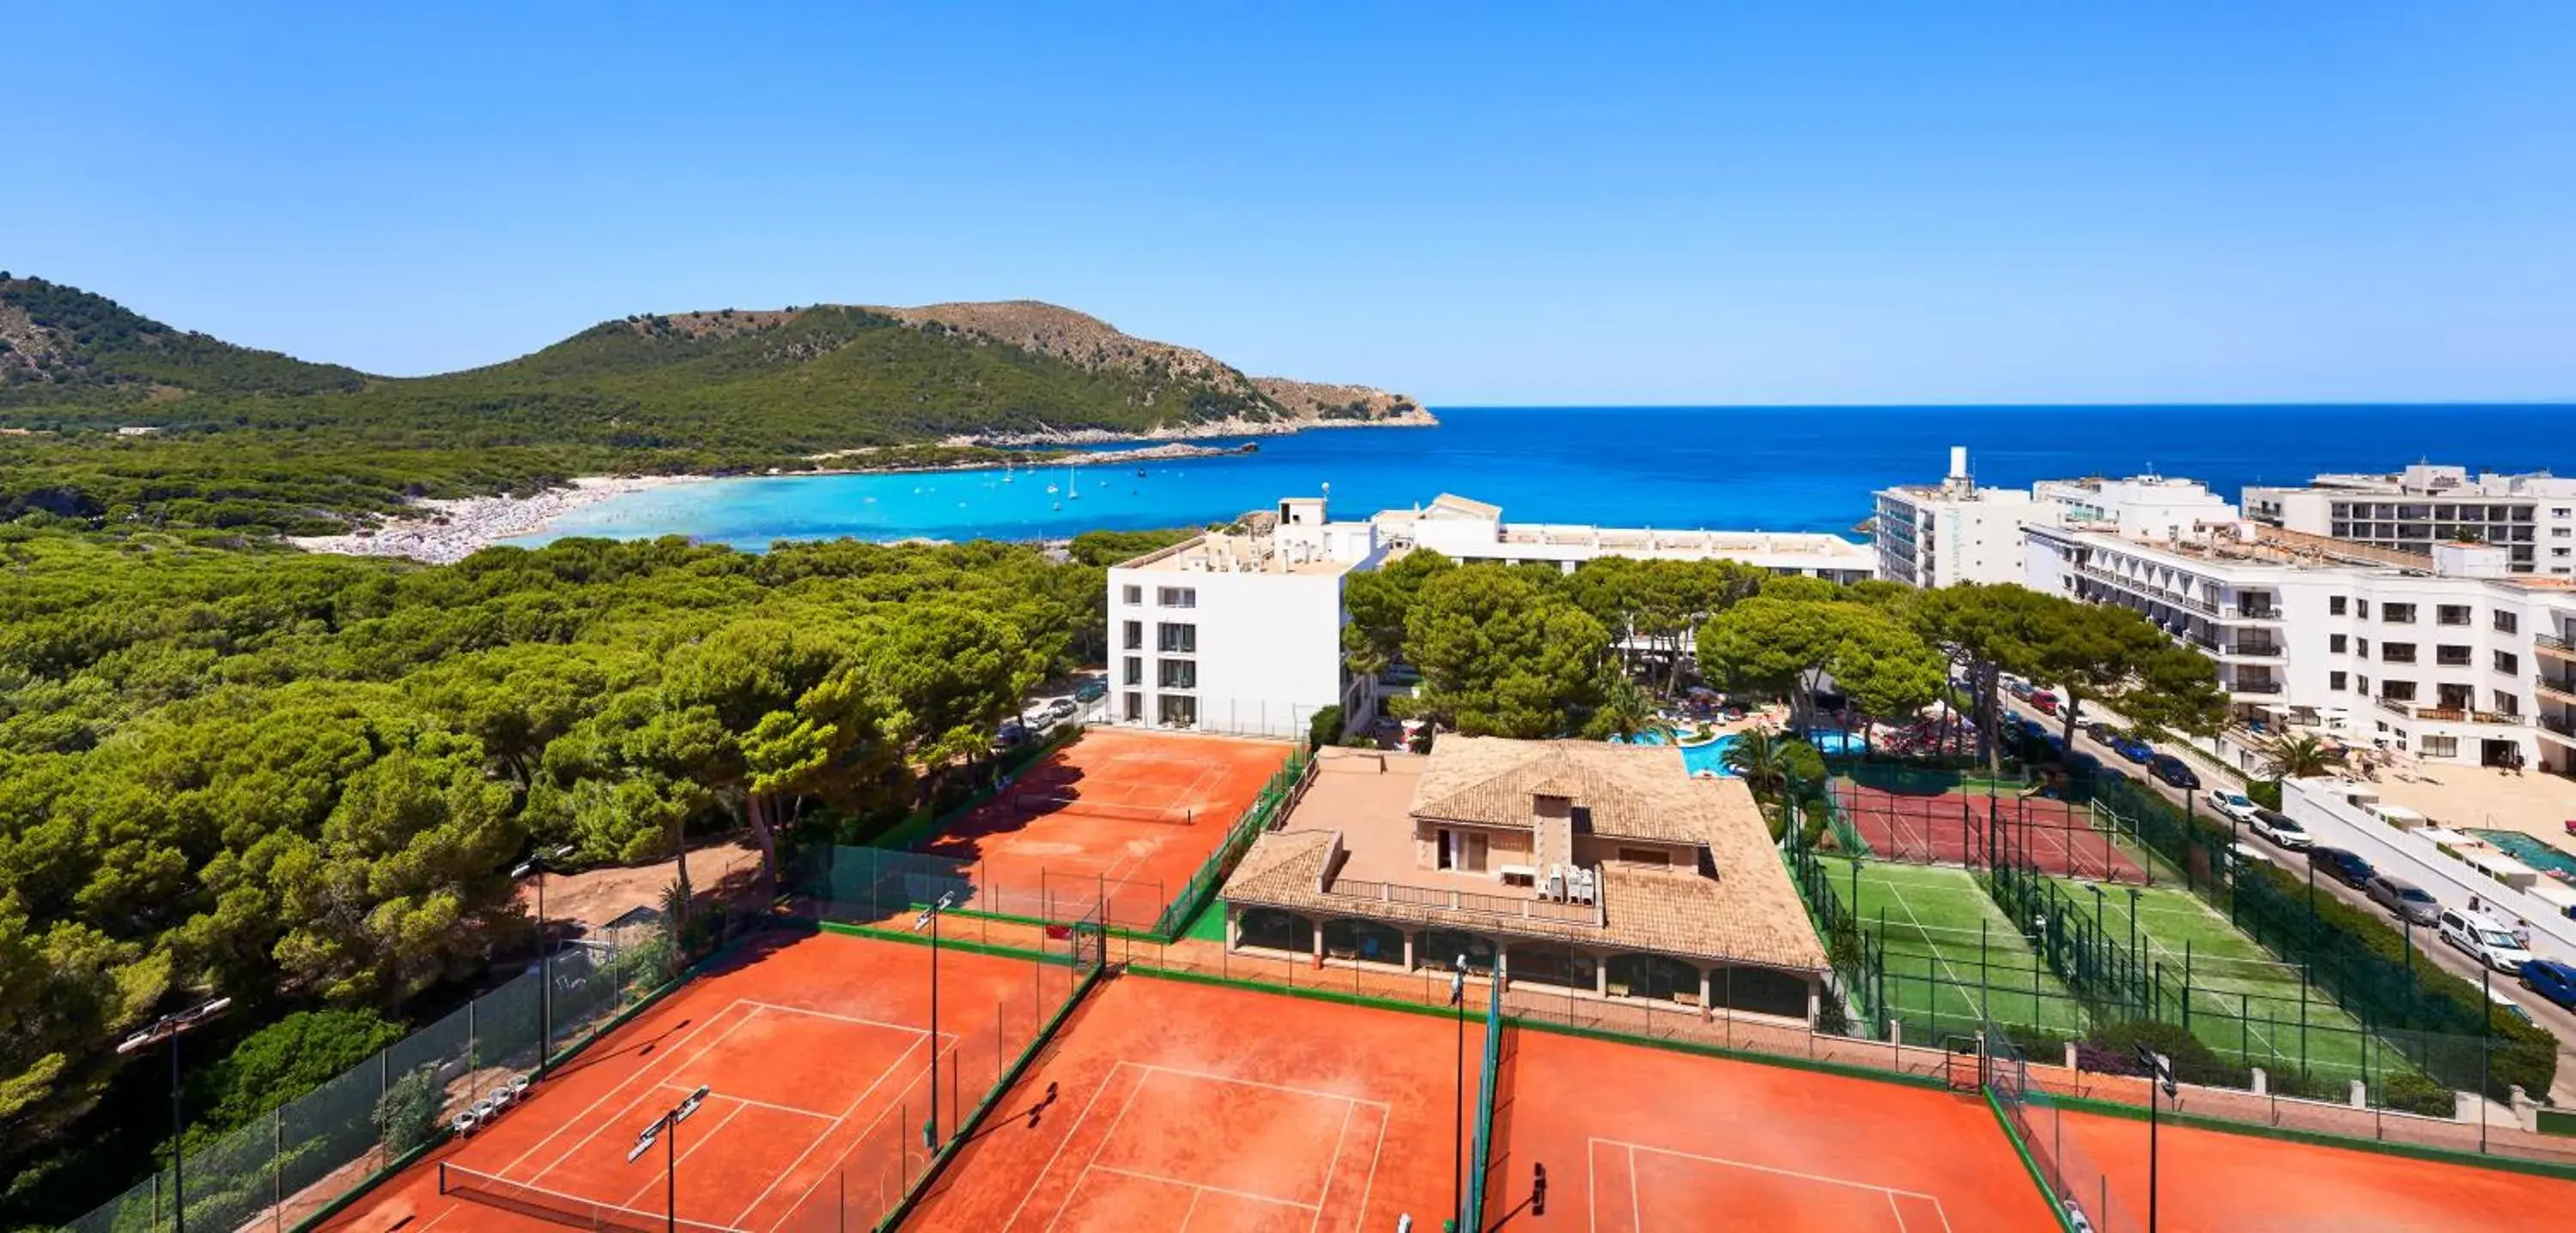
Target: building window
x: 2441, y: 747
x: 1131, y: 636
x: 2361, y: 608
x: 2397, y: 614
x: 2361, y: 647
x: 2507, y: 702
x: 2451, y: 656
x: 1644, y: 856
x: 2452, y: 614
x: 2334, y: 605
x: 2397, y: 691
x: 2337, y: 643
x: 1177, y: 597
x: 1133, y: 594
x: 1178, y: 710
x: 1176, y: 639
x: 2335, y: 681
x: 1132, y: 672
x: 2506, y: 622
x: 1135, y: 706
x: 1176, y: 673
x: 2397, y: 652
x: 2507, y: 662
x: 2360, y: 684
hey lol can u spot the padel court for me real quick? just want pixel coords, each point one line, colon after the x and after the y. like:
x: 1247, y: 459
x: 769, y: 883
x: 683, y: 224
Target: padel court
x: 1168, y: 1105
x: 814, y: 1053
x: 1950, y: 828
x: 1952, y: 961
x: 1641, y: 1140
x: 2213, y: 1181
x: 1117, y: 820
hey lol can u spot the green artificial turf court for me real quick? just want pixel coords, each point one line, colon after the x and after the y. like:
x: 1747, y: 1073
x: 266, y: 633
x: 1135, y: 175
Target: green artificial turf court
x: 2245, y: 1003
x: 1951, y: 957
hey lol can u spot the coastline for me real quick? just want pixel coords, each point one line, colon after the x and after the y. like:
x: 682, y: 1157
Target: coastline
x: 1416, y: 418
x: 444, y: 531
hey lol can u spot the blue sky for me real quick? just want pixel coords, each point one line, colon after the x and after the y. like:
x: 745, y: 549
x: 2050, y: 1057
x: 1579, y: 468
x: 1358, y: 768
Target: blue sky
x: 1475, y: 203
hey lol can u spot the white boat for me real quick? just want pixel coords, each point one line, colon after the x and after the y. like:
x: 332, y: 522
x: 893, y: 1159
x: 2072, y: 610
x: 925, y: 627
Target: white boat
x: 1069, y: 493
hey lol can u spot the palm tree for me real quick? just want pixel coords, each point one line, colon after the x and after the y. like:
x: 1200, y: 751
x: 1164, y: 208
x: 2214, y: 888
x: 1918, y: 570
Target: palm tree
x: 1628, y: 711
x: 1755, y: 757
x: 2297, y: 757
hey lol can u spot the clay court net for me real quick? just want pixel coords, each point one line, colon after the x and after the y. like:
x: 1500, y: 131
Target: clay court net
x: 1079, y: 807
x: 459, y: 1182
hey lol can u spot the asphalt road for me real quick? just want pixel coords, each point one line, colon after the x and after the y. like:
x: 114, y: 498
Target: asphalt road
x: 2558, y: 1020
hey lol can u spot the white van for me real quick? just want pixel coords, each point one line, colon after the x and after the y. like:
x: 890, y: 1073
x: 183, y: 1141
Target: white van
x: 2490, y: 943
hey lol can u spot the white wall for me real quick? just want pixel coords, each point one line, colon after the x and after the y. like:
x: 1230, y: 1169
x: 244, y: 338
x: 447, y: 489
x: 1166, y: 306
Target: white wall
x: 2337, y: 823
x: 1269, y: 646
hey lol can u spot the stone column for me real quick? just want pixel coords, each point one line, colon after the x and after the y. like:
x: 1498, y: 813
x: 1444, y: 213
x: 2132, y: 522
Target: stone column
x: 1408, y: 950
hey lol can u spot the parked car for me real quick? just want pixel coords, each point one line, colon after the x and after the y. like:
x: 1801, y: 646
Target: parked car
x: 2484, y: 940
x: 2044, y: 700
x: 2342, y: 866
x: 2084, y: 765
x: 2233, y: 805
x: 2403, y: 899
x: 1091, y: 691
x: 2102, y: 732
x: 2276, y: 826
x: 2551, y: 979
x: 2171, y: 770
x: 2132, y: 748
x: 2017, y: 687
x: 1063, y: 708
x: 1010, y: 734
x: 2245, y: 854
x: 2508, y: 1005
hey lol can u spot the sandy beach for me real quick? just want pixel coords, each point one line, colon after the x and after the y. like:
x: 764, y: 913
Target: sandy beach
x: 447, y: 531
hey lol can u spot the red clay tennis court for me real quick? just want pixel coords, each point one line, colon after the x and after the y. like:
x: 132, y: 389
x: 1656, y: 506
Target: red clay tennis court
x: 1637, y: 1139
x: 1117, y: 817
x: 815, y: 1051
x: 1949, y: 828
x: 1174, y: 1106
x: 2221, y: 1182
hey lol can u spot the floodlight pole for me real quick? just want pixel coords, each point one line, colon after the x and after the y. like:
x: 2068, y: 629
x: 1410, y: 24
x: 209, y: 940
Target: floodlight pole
x: 1458, y: 1134
x: 667, y: 1129
x: 2159, y: 1076
x: 171, y: 1027
x: 930, y: 917
x: 540, y: 865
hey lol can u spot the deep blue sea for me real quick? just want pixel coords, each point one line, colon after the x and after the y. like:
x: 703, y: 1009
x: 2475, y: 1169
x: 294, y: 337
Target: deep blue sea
x: 1732, y: 468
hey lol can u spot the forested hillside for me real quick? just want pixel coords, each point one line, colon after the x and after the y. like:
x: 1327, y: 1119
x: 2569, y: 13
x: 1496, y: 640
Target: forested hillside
x: 258, y: 442
x: 299, y: 781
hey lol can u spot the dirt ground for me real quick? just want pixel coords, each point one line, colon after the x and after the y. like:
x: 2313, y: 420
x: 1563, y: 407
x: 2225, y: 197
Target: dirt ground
x: 579, y: 902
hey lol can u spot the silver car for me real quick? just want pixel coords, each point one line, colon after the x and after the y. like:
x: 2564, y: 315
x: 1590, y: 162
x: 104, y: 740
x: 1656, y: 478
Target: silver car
x: 2403, y: 899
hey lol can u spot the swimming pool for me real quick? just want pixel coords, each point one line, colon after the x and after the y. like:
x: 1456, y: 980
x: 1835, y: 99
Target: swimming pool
x: 1710, y: 757
x: 1833, y: 742
x: 2530, y: 851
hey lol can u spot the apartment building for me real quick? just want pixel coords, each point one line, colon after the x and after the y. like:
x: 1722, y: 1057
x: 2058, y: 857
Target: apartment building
x: 1468, y: 531
x: 1938, y: 535
x: 1239, y: 632
x: 2533, y: 516
x: 2447, y: 655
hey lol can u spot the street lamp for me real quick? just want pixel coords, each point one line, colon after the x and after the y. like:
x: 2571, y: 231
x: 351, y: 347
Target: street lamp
x: 541, y: 864
x: 2160, y: 1075
x: 1458, y: 1135
x: 929, y: 919
x: 2098, y: 896
x: 171, y: 1027
x: 667, y: 1129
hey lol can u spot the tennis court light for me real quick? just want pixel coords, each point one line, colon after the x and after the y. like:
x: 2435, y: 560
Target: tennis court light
x: 644, y: 1141
x: 690, y: 1105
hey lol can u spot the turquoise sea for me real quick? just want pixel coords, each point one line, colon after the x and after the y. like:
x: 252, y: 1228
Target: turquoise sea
x: 1735, y: 468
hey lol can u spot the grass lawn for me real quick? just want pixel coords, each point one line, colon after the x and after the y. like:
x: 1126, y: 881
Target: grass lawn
x: 2244, y: 1003
x: 1952, y: 958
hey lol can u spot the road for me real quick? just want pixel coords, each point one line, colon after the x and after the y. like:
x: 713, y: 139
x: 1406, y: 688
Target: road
x: 2559, y: 1021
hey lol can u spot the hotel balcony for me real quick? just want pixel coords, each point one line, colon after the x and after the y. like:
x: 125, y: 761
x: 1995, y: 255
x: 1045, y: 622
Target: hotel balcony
x: 2449, y: 714
x: 2149, y: 590
x: 2259, y: 687
x: 2558, y: 726
x: 2554, y: 647
x: 2240, y: 650
x: 2562, y: 688
x: 2251, y: 612
x: 1526, y: 906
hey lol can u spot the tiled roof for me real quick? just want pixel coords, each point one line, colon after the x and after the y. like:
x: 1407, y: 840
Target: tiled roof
x: 1632, y: 791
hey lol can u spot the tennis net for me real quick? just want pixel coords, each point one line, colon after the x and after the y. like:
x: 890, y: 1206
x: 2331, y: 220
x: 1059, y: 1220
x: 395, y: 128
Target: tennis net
x: 1036, y: 803
x: 568, y: 1210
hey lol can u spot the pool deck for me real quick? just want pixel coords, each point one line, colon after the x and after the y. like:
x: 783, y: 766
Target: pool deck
x: 2535, y: 804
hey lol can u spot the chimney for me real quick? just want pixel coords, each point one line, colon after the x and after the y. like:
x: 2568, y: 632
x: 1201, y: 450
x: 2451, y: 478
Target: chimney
x: 1958, y: 462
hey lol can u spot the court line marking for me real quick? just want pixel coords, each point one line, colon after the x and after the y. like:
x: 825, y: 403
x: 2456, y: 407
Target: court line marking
x: 1058, y: 1153
x: 1160, y: 1179
x: 1089, y: 1162
x: 1636, y: 1210
x: 745, y: 1100
x: 892, y: 1065
x: 604, y: 1097
x: 1339, y: 1133
x: 1369, y: 1184
x: 825, y: 1014
x: 587, y: 1201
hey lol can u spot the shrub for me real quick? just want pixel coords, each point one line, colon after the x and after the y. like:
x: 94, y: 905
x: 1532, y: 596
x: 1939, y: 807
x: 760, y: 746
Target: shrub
x: 407, y: 1115
x: 2114, y: 1050
x: 2410, y: 1092
x: 288, y: 1058
x: 1325, y: 728
x: 2264, y: 792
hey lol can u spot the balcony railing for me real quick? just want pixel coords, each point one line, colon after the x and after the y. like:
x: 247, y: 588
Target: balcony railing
x: 2551, y: 644
x: 1529, y: 907
x: 2265, y: 688
x: 2150, y: 590
x: 2560, y: 724
x: 2257, y: 612
x: 2449, y: 714
x: 2556, y: 686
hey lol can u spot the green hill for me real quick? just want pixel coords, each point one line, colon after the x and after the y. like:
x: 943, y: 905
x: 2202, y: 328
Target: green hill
x: 257, y: 440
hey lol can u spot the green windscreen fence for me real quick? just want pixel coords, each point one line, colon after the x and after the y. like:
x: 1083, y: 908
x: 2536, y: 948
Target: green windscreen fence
x: 1274, y: 801
x: 1480, y: 1163
x: 2078, y: 1185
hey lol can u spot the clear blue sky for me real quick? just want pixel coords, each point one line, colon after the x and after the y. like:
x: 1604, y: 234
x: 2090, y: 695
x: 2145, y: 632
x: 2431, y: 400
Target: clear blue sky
x: 1474, y: 203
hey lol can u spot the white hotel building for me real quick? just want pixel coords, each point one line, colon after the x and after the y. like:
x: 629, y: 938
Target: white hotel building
x: 2532, y: 516
x: 1242, y: 632
x: 2449, y: 656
